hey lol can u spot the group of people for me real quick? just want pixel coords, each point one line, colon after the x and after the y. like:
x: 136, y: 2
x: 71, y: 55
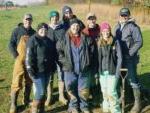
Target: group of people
x: 81, y: 54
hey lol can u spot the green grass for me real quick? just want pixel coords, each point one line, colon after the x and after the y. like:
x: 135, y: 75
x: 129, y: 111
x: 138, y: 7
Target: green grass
x: 10, y: 18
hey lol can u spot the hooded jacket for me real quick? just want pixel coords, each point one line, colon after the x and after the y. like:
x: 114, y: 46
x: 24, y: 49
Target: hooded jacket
x: 130, y: 38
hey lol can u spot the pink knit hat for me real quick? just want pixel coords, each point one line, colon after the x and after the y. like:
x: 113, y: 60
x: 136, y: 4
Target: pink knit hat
x: 104, y: 25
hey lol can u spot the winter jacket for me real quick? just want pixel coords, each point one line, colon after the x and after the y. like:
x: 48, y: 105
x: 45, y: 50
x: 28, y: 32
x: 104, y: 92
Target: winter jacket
x: 41, y: 55
x: 130, y: 38
x: 66, y: 23
x: 56, y: 34
x: 66, y: 57
x: 93, y: 33
x: 15, y: 38
x: 110, y: 58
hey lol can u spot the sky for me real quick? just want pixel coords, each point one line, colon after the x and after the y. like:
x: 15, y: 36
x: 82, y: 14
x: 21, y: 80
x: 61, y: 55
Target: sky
x: 25, y: 2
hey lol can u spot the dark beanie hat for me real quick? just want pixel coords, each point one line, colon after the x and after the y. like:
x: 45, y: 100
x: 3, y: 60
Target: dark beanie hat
x: 42, y: 25
x: 66, y: 9
x: 72, y: 21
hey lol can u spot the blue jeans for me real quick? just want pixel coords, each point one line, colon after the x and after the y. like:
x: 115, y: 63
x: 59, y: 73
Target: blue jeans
x: 40, y: 84
x: 109, y: 90
x: 77, y: 86
x: 131, y: 65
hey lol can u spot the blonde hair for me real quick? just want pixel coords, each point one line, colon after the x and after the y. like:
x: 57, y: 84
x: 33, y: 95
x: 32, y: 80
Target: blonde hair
x: 102, y: 42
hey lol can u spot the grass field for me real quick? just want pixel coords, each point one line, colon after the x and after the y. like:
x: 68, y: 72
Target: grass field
x: 10, y: 18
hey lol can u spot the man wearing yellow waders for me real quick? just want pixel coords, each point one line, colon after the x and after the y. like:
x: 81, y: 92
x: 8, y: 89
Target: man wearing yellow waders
x: 17, y: 47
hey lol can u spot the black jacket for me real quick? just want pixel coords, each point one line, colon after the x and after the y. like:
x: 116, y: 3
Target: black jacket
x: 110, y: 58
x: 65, y: 55
x: 56, y: 34
x: 15, y: 38
x: 41, y: 55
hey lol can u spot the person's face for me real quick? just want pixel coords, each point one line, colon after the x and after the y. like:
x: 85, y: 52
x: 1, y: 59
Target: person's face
x: 123, y: 18
x: 75, y: 28
x: 106, y: 33
x: 42, y: 32
x: 27, y: 23
x: 68, y: 15
x: 91, y: 22
x: 54, y: 20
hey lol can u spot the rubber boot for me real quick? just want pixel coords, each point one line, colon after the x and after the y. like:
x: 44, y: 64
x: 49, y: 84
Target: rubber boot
x: 62, y: 99
x: 13, y: 106
x: 35, y: 106
x: 26, y: 96
x: 137, y: 103
x: 49, y: 94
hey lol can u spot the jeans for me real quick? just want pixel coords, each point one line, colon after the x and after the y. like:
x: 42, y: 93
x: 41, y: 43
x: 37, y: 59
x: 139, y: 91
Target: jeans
x: 131, y: 65
x: 40, y: 84
x: 109, y: 90
x: 77, y: 86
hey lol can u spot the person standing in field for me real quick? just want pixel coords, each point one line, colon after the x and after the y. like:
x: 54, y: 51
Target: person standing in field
x: 130, y: 37
x: 110, y: 59
x: 75, y: 55
x: 55, y: 33
x: 93, y: 31
x: 41, y: 61
x: 67, y: 16
x: 17, y: 47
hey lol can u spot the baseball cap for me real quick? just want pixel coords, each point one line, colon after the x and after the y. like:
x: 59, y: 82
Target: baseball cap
x: 124, y: 12
x: 28, y: 16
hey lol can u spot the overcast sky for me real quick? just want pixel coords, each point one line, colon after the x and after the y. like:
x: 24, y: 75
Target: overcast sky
x: 25, y: 2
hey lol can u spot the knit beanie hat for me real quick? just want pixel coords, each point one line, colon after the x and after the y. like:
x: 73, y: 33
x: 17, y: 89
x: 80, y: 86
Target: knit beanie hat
x: 104, y: 25
x: 53, y: 13
x: 74, y: 20
x: 42, y: 25
x: 66, y: 9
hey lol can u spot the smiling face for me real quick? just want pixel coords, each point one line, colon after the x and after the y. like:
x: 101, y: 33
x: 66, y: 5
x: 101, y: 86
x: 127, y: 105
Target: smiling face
x: 27, y: 23
x: 75, y: 28
x: 123, y: 18
x: 68, y: 15
x: 106, y: 34
x: 42, y: 32
x: 91, y: 22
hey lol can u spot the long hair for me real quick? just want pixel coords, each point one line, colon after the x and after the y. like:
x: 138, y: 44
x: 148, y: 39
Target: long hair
x: 101, y: 42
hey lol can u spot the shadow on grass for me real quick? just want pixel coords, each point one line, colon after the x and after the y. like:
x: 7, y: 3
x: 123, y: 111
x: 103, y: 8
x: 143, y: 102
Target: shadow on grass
x: 2, y: 80
x: 5, y: 87
x: 57, y: 109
